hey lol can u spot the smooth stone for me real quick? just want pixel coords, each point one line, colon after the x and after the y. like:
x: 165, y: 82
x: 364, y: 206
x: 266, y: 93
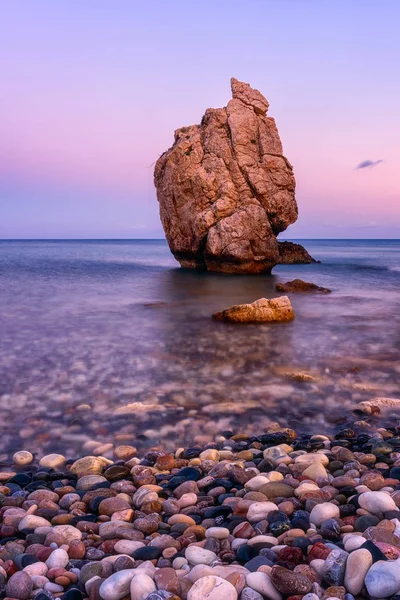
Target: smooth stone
x: 255, y: 483
x: 353, y: 543
x: 250, y: 594
x: 259, y: 510
x: 261, y: 583
x: 212, y: 588
x: 220, y: 533
x: 288, y: 582
x: 334, y: 567
x: 88, y: 465
x: 277, y: 489
x: 22, y: 458
x: 322, y: 512
x: 19, y: 586
x: 357, y: 566
x: 117, y: 585
x: 383, y: 579
x: 376, y: 502
x: 37, y: 569
x: 91, y: 482
x: 255, y: 563
x: 199, y: 556
x: 53, y: 461
x: 33, y: 522
x: 68, y: 532
x: 127, y: 546
x: 198, y: 572
x: 58, y: 558
x: 141, y: 586
x: 147, y: 553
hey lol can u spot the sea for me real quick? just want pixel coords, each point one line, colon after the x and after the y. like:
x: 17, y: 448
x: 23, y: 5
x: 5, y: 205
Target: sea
x: 110, y: 342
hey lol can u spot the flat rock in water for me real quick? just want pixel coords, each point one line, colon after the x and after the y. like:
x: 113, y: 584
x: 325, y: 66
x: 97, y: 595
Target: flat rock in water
x: 302, y: 287
x: 261, y: 311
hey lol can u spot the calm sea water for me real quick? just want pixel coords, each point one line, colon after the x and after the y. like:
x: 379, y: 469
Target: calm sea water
x: 112, y: 341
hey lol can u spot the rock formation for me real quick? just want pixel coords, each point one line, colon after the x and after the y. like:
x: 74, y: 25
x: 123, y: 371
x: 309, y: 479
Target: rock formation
x: 302, y: 287
x: 261, y: 311
x: 225, y: 189
x: 294, y: 254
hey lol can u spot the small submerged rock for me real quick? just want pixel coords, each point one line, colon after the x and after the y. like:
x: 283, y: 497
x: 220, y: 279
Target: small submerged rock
x: 300, y: 286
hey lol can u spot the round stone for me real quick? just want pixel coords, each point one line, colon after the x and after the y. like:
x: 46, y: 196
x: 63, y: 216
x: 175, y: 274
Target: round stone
x: 117, y: 585
x: 277, y: 489
x: 357, y: 566
x: 288, y: 582
x: 88, y: 465
x: 220, y: 533
x: 53, y: 461
x: 376, y: 502
x: 22, y: 458
x: 259, y: 510
x: 199, y: 556
x: 33, y: 522
x: 322, y: 512
x: 141, y: 586
x: 212, y: 588
x: 19, y: 586
x: 261, y: 583
x: 383, y: 579
x: 57, y: 559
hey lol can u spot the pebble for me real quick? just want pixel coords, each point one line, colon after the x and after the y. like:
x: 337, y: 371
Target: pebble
x: 53, y: 461
x: 334, y: 568
x: 19, y: 586
x: 267, y: 516
x: 376, y: 502
x: 212, y: 588
x: 22, y: 458
x: 117, y: 585
x: 199, y: 556
x: 357, y: 567
x: 383, y: 579
x: 141, y: 586
x: 322, y: 512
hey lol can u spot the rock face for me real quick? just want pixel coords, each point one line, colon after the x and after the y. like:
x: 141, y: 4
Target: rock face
x: 300, y: 286
x: 226, y: 191
x: 260, y: 311
x: 294, y: 254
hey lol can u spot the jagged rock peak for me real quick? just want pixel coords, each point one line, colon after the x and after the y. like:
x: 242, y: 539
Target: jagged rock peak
x: 244, y: 92
x: 225, y: 189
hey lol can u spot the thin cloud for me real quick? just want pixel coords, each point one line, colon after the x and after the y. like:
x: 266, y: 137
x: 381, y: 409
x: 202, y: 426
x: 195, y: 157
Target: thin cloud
x: 368, y: 164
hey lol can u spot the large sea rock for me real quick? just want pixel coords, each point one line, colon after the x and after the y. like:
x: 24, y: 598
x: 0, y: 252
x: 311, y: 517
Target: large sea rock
x: 226, y: 191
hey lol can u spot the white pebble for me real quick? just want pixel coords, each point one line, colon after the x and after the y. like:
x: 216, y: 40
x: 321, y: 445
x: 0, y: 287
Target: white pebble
x: 199, y: 556
x: 141, y: 586
x: 322, y: 512
x: 212, y: 588
x: 22, y: 458
x: 376, y: 502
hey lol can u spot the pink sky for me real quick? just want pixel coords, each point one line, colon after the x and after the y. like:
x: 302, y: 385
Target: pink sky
x: 93, y: 94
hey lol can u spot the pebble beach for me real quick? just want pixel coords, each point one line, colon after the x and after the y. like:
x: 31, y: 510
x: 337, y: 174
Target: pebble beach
x: 278, y: 515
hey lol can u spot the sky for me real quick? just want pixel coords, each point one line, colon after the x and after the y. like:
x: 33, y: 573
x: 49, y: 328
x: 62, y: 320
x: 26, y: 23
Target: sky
x: 92, y: 91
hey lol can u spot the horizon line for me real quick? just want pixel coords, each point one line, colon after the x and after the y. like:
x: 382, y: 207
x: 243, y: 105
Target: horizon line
x: 147, y: 239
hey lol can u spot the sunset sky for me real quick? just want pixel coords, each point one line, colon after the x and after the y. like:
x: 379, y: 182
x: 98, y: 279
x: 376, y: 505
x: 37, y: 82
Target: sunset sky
x: 92, y: 90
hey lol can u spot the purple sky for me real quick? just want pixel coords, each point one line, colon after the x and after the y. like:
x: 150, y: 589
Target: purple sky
x: 91, y: 92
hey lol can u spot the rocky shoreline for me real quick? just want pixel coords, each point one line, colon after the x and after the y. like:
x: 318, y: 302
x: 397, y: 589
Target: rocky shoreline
x: 273, y: 516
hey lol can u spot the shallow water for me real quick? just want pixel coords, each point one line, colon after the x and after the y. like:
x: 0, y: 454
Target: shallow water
x: 90, y: 327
